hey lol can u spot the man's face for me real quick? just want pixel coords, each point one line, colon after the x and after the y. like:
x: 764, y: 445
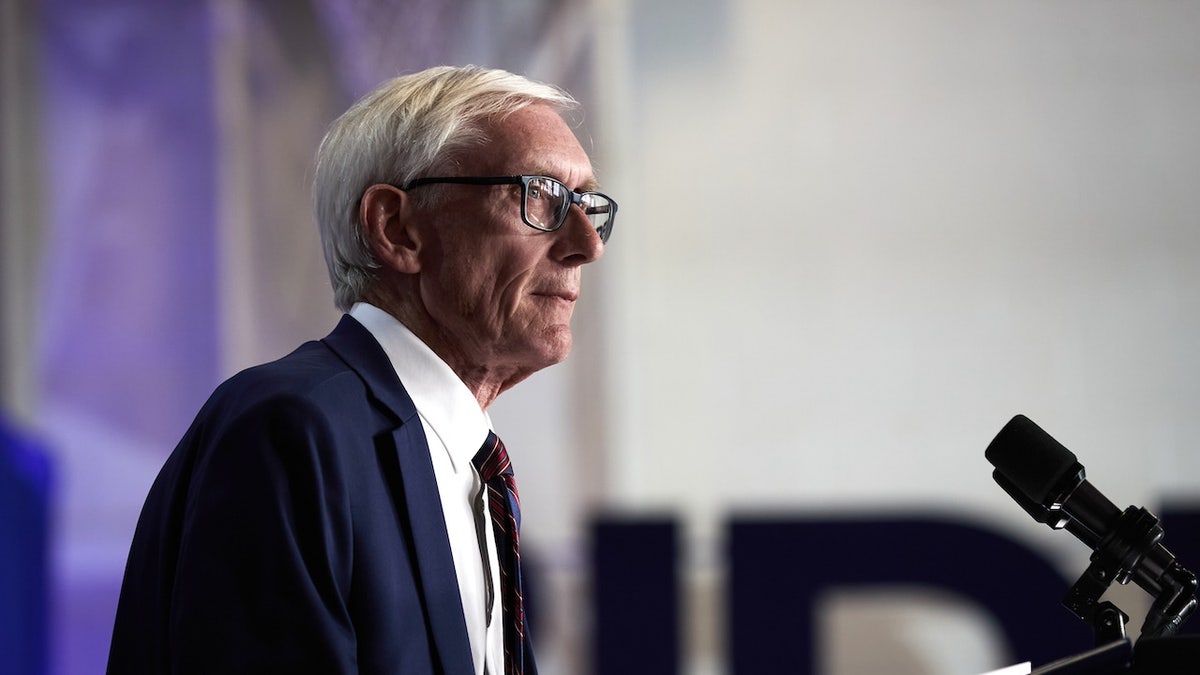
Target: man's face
x: 500, y: 292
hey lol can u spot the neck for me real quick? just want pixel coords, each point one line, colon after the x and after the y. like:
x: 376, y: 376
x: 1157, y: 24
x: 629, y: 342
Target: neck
x: 483, y: 377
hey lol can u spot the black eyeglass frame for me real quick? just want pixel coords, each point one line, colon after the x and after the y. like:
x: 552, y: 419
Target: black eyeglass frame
x: 576, y: 198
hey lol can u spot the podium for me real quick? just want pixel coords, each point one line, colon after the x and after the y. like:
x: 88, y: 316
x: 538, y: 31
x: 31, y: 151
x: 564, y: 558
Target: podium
x: 1175, y: 655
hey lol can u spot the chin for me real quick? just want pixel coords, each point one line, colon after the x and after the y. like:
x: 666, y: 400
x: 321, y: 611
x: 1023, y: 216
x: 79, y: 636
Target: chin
x: 556, y: 346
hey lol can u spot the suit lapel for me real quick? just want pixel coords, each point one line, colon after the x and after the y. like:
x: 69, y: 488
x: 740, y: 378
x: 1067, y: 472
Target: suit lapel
x: 359, y: 349
x: 435, y: 563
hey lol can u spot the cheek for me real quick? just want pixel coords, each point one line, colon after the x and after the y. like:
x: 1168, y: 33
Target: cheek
x: 487, y: 280
x: 510, y: 283
x: 483, y: 294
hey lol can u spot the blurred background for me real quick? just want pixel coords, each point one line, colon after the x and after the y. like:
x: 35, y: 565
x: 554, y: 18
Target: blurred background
x: 856, y: 237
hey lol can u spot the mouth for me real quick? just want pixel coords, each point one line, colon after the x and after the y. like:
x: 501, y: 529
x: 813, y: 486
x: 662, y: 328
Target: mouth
x: 567, y: 295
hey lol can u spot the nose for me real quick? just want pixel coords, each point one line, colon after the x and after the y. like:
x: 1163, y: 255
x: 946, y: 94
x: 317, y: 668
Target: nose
x: 578, y: 243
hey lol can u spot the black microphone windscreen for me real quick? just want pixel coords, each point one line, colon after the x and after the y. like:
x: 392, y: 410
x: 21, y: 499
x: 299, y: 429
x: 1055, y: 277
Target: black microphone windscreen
x: 1033, y: 461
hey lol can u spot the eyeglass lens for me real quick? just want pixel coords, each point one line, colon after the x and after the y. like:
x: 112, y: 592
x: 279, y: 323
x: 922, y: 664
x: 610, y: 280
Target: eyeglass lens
x: 548, y: 201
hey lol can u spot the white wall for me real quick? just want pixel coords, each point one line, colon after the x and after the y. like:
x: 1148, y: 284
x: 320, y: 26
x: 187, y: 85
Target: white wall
x: 857, y: 237
x: 860, y: 236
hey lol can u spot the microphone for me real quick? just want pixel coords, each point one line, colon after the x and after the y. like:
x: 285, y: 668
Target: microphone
x: 1047, y: 480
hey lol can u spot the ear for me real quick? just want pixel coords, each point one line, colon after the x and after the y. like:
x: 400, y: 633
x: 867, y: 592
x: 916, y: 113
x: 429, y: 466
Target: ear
x: 385, y: 214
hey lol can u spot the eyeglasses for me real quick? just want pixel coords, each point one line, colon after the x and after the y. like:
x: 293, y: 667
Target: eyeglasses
x: 545, y: 202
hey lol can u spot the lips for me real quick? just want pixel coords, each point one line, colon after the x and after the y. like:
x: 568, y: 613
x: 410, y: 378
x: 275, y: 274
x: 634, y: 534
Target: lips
x: 565, y: 294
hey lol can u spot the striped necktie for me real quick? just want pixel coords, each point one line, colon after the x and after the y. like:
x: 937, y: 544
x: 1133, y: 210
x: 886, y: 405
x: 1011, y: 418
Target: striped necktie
x: 504, y: 504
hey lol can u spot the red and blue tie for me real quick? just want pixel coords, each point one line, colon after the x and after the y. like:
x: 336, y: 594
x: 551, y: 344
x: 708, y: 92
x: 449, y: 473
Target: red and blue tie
x: 504, y: 504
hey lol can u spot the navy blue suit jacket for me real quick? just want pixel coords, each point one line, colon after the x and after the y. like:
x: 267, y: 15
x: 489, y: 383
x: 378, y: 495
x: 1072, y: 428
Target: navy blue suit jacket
x: 296, y: 528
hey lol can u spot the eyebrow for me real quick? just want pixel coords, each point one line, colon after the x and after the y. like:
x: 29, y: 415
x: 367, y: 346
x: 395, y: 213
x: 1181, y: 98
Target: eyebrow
x: 589, y: 185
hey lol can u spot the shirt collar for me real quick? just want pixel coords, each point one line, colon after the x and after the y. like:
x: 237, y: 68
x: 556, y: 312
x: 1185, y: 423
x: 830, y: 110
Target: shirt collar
x: 448, y: 407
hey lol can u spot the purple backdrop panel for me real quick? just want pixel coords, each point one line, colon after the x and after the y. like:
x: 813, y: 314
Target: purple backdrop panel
x: 128, y: 329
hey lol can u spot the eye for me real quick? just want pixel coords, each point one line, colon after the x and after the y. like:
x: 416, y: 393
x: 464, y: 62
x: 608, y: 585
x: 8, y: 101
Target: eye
x: 544, y: 188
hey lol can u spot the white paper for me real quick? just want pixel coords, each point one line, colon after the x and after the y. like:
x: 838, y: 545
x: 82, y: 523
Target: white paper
x: 1019, y: 669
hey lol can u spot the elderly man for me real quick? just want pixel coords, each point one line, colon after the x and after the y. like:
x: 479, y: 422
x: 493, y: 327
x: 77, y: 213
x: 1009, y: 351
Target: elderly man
x: 347, y: 508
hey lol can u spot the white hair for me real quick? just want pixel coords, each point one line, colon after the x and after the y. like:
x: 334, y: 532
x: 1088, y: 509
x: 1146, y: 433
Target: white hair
x: 405, y: 128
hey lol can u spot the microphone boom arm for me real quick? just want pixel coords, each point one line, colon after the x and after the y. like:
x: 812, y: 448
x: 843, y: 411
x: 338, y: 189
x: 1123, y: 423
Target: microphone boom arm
x: 1047, y: 481
x: 1129, y: 552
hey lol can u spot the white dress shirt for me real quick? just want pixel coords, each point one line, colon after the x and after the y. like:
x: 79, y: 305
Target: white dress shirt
x: 455, y: 428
